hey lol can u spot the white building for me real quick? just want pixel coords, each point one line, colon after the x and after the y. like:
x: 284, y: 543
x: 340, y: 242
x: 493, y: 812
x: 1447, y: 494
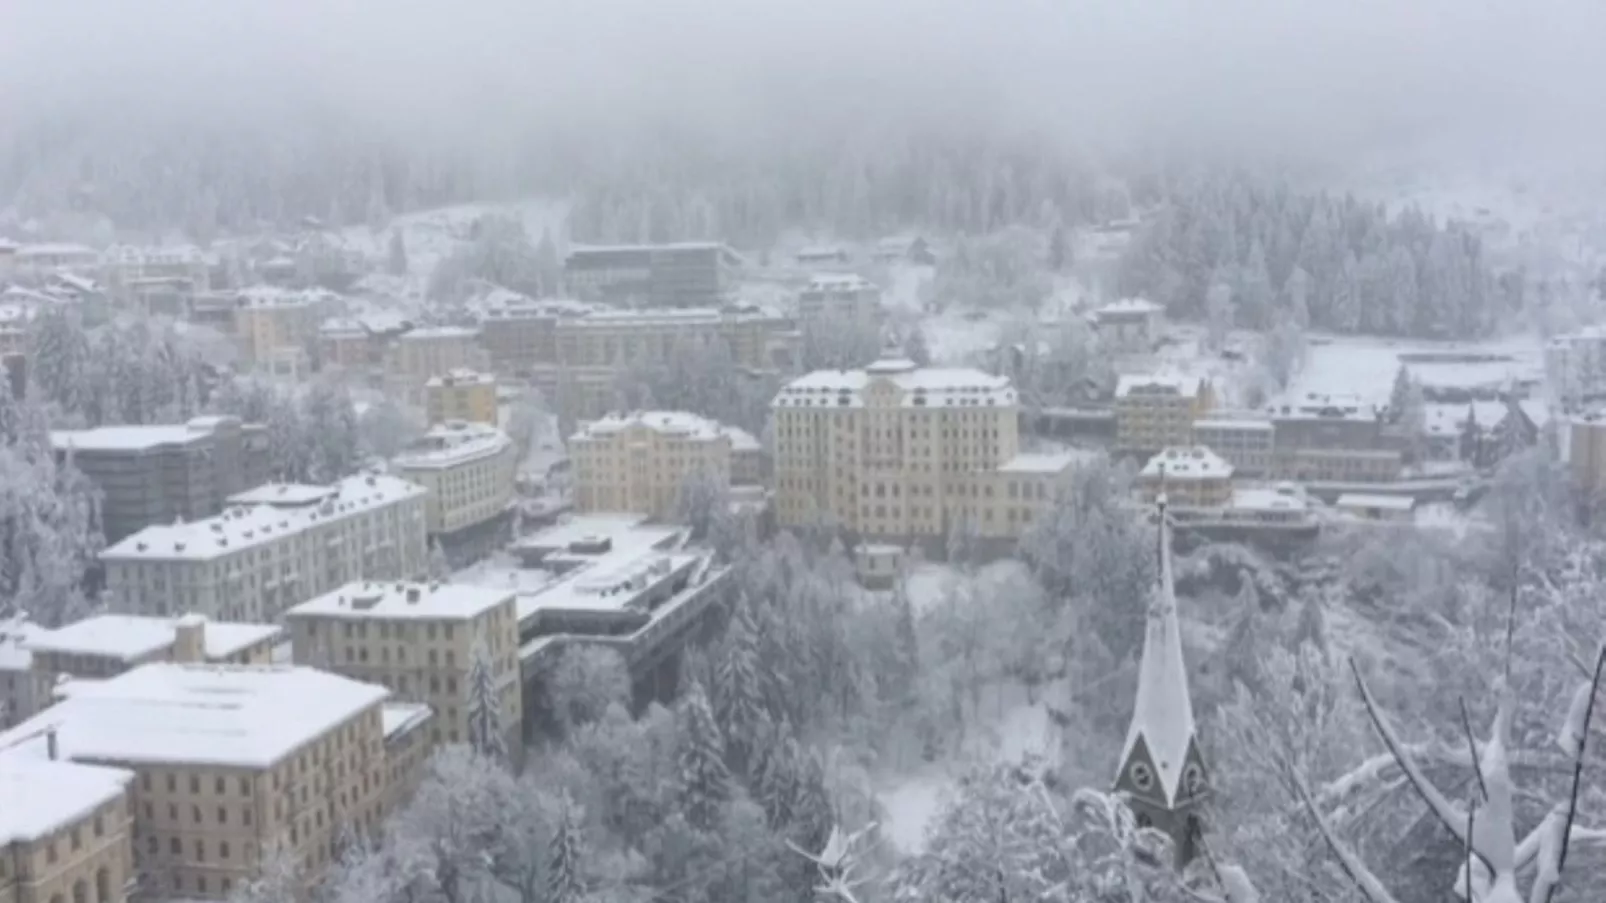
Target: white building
x: 1130, y: 325
x: 468, y: 469
x: 1575, y: 367
x: 40, y: 260
x: 250, y: 563
x: 639, y: 461
x: 839, y: 296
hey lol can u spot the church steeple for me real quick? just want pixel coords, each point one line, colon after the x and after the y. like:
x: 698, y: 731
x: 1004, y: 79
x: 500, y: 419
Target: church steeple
x: 1162, y: 772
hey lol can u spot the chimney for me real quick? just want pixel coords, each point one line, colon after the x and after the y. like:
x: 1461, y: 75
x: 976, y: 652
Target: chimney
x: 412, y: 595
x: 189, y: 640
x: 51, y: 749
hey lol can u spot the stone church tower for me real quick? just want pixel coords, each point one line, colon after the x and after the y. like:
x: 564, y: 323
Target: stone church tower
x: 1162, y: 772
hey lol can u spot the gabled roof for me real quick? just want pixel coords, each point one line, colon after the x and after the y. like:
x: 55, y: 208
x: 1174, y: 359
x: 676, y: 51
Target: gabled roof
x: 1162, y: 717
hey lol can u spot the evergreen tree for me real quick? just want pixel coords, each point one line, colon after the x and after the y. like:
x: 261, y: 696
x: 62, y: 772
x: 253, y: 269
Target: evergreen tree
x: 485, y: 729
x: 565, y: 881
x: 905, y: 666
x: 1400, y: 394
x: 705, y: 784
x: 396, y: 258
x: 740, y: 697
x: 329, y: 421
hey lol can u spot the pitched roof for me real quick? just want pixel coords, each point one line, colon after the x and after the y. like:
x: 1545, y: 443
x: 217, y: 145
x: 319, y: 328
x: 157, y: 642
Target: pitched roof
x: 1163, y: 714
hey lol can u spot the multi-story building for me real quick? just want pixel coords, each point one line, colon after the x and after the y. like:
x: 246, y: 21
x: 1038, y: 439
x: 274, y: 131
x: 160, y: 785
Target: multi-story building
x: 1128, y: 326
x: 419, y: 354
x: 106, y: 645
x: 519, y: 335
x: 593, y: 349
x: 638, y: 462
x: 121, y: 266
x: 274, y: 324
x: 686, y: 274
x: 420, y: 641
x: 252, y: 562
x: 408, y: 729
x: 1575, y: 367
x: 1158, y: 411
x: 233, y: 766
x: 40, y: 260
x: 23, y: 690
x: 836, y: 297
x: 461, y: 395
x: 1188, y: 476
x: 343, y: 344
x: 158, y: 474
x: 64, y: 831
x: 1586, y: 455
x: 1246, y: 441
x: 747, y: 457
x: 468, y: 470
x: 1327, y: 438
x: 899, y: 452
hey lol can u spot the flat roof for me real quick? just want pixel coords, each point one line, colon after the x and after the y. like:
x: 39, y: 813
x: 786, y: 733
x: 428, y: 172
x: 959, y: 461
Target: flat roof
x: 1041, y: 462
x: 1233, y: 423
x: 128, y: 438
x: 1193, y: 462
x: 214, y: 715
x: 935, y: 387
x: 398, y: 718
x: 427, y: 333
x: 292, y: 495
x: 39, y: 796
x: 372, y: 599
x: 676, y: 423
x: 130, y: 637
x: 452, y: 443
x: 1372, y: 500
x: 16, y: 632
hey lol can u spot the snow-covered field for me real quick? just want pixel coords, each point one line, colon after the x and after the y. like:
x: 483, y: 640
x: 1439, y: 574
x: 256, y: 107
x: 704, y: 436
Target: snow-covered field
x: 1365, y: 367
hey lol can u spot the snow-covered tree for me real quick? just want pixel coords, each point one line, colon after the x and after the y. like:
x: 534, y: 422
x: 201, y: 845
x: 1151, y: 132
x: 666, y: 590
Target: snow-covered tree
x: 915, y: 347
x: 739, y: 704
x: 486, y: 732
x: 440, y: 567
x: 565, y: 874
x: 1218, y: 316
x: 705, y: 782
x: 330, y: 422
x: 703, y: 501
x: 278, y: 879
x: 584, y: 682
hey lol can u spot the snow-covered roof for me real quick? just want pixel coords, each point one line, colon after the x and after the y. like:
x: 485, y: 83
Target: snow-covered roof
x: 935, y: 387
x: 439, y: 333
x: 39, y: 796
x: 213, y: 715
x: 55, y: 249
x: 678, y: 424
x: 1162, y: 716
x: 132, y: 637
x: 839, y: 282
x: 15, y: 633
x: 821, y: 252
x: 132, y: 438
x: 648, y: 248
x: 285, y: 495
x: 1158, y: 384
x: 435, y: 601
x: 342, y: 328
x: 1128, y: 307
x: 1182, y: 463
x: 274, y: 296
x: 397, y: 718
x: 132, y: 254
x: 75, y: 282
x: 461, y: 376
x: 1382, y: 502
x: 658, y: 316
x: 1040, y: 462
x: 741, y: 440
x: 452, y: 443
x: 1283, y: 497
x: 1246, y: 424
x: 244, y: 527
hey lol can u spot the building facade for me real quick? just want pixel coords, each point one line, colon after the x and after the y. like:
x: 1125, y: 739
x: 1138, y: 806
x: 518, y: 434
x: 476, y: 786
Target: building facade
x: 1129, y: 326
x: 158, y: 474
x: 685, y: 274
x: 468, y: 470
x: 461, y: 395
x: 1575, y: 368
x: 274, y: 323
x: 834, y: 297
x: 252, y: 562
x: 64, y: 831
x: 1158, y: 411
x: 1245, y: 442
x: 1188, y: 476
x: 899, y: 452
x: 294, y: 759
x: 638, y: 462
x: 519, y: 335
x: 1325, y: 438
x: 419, y: 641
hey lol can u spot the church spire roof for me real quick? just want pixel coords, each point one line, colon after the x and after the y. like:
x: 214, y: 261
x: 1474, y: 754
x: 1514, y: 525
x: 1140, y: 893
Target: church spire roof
x: 1162, y: 719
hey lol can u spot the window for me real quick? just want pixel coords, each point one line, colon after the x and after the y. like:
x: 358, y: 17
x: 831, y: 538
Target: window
x: 174, y: 847
x: 222, y: 815
x: 80, y: 891
x: 195, y: 783
x: 103, y: 888
x: 223, y: 849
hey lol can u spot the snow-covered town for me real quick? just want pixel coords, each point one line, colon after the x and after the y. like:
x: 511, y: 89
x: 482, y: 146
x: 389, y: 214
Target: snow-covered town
x: 860, y: 505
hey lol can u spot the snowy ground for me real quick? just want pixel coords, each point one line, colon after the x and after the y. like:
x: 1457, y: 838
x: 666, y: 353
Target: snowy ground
x: 1365, y: 367
x: 432, y: 234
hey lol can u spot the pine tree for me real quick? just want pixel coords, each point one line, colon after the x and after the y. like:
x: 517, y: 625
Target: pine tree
x: 1400, y: 394
x: 565, y: 882
x: 396, y: 259
x: 705, y: 783
x: 485, y: 729
x: 740, y: 696
x: 905, y: 664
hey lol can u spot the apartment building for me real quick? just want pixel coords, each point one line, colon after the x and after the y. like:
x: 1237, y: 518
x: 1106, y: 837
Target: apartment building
x: 900, y: 452
x: 593, y: 349
x: 638, y: 462
x: 232, y: 765
x: 468, y: 470
x: 161, y: 473
x: 419, y: 641
x: 834, y: 297
x: 252, y: 562
x: 1575, y: 368
x: 519, y: 335
x: 419, y: 354
x: 748, y: 459
x: 1189, y: 476
x: 408, y: 745
x: 23, y: 690
x: 64, y: 831
x: 277, y: 325
x: 343, y: 344
x: 1245, y: 441
x: 1158, y: 411
x: 124, y: 266
x: 1586, y: 454
x: 106, y: 645
x: 36, y: 261
x: 1129, y: 326
x: 461, y: 394
x: 684, y: 274
x: 1333, y: 438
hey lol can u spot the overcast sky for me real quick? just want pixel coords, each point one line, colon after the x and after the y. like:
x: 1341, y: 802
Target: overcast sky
x: 1266, y: 74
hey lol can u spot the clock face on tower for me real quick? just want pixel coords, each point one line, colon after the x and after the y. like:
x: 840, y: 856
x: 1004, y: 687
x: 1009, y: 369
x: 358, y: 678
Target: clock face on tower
x: 1142, y: 776
x: 1193, y: 779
